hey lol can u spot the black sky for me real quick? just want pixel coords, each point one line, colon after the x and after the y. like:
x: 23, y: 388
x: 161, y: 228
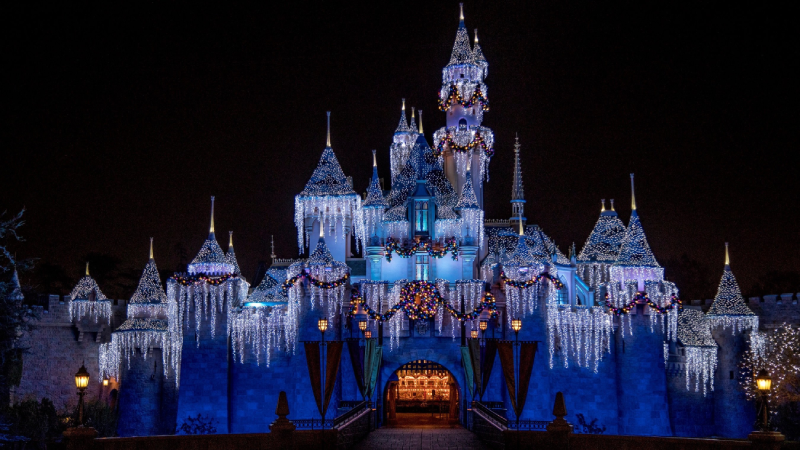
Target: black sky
x: 122, y: 119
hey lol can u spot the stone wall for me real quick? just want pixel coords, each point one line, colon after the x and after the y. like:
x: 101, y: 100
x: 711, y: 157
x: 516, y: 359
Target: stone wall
x: 56, y: 348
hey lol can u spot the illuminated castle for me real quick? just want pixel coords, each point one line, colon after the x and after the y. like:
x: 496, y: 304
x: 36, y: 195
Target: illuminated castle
x: 613, y: 335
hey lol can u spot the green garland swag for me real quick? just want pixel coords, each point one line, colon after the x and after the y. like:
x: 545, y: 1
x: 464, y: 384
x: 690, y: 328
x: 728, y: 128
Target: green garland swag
x: 536, y: 280
x: 429, y: 303
x: 643, y: 298
x: 477, y: 142
x: 477, y: 97
x: 320, y: 284
x: 189, y: 280
x: 451, y: 245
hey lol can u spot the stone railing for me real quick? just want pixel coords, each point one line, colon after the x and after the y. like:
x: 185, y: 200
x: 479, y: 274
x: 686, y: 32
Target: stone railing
x: 496, y: 431
x: 343, y: 433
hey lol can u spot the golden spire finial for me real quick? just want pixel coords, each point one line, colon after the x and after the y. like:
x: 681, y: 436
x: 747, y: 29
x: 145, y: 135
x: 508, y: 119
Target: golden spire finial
x: 461, y: 14
x: 476, y: 35
x: 420, y: 120
x: 521, y: 229
x: 87, y: 268
x: 374, y: 160
x: 412, y: 113
x: 212, y: 215
x: 603, y: 205
x: 272, y: 243
x: 151, y: 248
x: 328, y: 142
x: 612, y: 205
x: 727, y: 256
x: 633, y: 195
x: 230, y: 238
x: 404, y: 104
x: 322, y: 230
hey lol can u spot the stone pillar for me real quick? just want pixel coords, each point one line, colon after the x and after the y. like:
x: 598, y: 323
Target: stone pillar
x: 468, y: 254
x: 140, y: 393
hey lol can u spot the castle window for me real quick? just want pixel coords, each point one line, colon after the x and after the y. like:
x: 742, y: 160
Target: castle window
x: 422, y: 267
x: 462, y: 124
x: 563, y: 294
x: 421, y: 216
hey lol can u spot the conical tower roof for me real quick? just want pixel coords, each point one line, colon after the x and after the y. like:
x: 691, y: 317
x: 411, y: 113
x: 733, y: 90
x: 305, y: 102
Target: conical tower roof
x: 150, y: 289
x: 403, y: 127
x: 210, y: 258
x: 321, y: 255
x: 85, y: 287
x: 605, y: 239
x: 477, y: 54
x: 468, y: 199
x: 328, y: 178
x: 230, y: 256
x: 375, y: 197
x: 729, y: 300
x: 635, y: 250
x: 462, y: 52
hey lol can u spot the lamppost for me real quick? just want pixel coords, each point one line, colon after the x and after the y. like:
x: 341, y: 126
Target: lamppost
x: 81, y: 381
x: 516, y: 325
x: 322, y: 325
x: 368, y: 334
x: 483, y: 325
x: 473, y: 334
x: 764, y: 383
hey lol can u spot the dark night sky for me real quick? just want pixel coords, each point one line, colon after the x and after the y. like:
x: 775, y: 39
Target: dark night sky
x: 122, y: 120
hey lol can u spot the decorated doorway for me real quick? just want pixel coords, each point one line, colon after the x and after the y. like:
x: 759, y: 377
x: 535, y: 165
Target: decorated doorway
x: 421, y: 394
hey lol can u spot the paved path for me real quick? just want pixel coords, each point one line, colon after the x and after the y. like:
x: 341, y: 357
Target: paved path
x: 422, y: 439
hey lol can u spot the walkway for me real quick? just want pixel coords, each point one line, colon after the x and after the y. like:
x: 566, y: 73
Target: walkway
x: 421, y: 439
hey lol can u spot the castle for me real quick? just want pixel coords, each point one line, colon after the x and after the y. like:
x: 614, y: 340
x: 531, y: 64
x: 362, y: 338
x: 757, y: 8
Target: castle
x: 435, y: 276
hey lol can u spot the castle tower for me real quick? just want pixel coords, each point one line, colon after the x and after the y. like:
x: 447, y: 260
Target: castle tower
x: 87, y: 301
x: 730, y: 320
x: 230, y: 256
x: 204, y: 298
x: 464, y: 141
x: 370, y: 219
x: 327, y: 201
x: 144, y: 356
x: 402, y: 143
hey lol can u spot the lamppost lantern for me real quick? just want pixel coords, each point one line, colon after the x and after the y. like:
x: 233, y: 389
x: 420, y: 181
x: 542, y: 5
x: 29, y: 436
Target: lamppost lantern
x: 82, y: 378
x: 483, y: 325
x: 81, y: 381
x: 516, y: 325
x: 322, y: 324
x: 362, y: 325
x: 105, y: 381
x: 473, y: 334
x: 764, y: 381
x: 368, y: 334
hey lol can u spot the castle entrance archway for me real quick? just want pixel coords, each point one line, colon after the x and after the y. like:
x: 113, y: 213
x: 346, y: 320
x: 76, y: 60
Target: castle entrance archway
x: 421, y: 394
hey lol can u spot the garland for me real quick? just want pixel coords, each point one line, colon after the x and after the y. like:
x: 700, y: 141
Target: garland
x: 535, y: 280
x: 477, y: 97
x: 318, y: 283
x: 451, y: 245
x: 477, y: 142
x: 643, y: 298
x: 188, y: 280
x: 429, y: 301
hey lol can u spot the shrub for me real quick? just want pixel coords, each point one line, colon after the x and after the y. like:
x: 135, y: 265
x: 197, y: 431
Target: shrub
x: 198, y: 425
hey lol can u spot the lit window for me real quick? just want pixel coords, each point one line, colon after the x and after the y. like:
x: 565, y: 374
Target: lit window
x: 422, y: 266
x: 421, y: 216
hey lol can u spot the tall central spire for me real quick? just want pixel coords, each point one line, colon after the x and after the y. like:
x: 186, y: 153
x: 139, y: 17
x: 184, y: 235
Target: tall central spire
x: 517, y: 192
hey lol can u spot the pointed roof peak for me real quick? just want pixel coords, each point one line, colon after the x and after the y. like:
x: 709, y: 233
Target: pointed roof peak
x: 87, y: 268
x: 230, y: 257
x: 374, y: 160
x: 328, y: 178
x: 461, y: 15
x: 605, y: 239
x: 462, y: 51
x: 730, y: 302
x: 468, y: 199
x: 374, y: 191
x: 413, y: 125
x: 230, y: 239
x: 420, y: 120
x: 633, y: 198
x: 402, y: 126
x: 211, y: 228
x: 635, y: 250
x: 727, y: 258
x: 151, y: 248
x: 328, y: 136
x: 517, y: 190
x: 149, y: 289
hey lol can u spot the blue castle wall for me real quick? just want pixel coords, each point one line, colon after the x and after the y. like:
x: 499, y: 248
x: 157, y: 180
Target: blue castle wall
x: 147, y: 399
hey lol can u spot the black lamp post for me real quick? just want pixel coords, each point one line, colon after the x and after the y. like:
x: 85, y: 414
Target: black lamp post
x: 81, y: 382
x: 322, y: 325
x: 516, y: 325
x: 764, y: 383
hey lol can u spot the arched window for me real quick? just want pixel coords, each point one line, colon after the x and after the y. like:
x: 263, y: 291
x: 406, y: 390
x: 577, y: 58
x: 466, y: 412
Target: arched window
x: 462, y: 123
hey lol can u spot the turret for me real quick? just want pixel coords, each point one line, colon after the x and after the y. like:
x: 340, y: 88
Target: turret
x: 328, y: 200
x: 601, y: 248
x: 463, y: 97
x: 370, y: 216
x: 728, y: 308
x: 230, y: 257
x: 87, y: 300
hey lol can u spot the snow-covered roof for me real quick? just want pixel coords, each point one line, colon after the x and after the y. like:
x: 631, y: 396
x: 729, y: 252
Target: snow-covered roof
x: 729, y: 300
x: 635, y: 250
x: 150, y: 289
x: 693, y: 330
x: 328, y: 178
x: 467, y: 199
x: 85, y: 287
x: 462, y: 52
x: 210, y: 258
x: 270, y: 289
x: 605, y: 239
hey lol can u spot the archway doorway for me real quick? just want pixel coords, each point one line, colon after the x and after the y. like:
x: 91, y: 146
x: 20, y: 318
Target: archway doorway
x: 422, y: 394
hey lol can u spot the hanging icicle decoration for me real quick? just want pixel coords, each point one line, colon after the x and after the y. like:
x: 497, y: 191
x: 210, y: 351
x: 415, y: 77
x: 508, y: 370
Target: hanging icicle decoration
x: 87, y: 300
x: 694, y: 333
x: 584, y: 334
